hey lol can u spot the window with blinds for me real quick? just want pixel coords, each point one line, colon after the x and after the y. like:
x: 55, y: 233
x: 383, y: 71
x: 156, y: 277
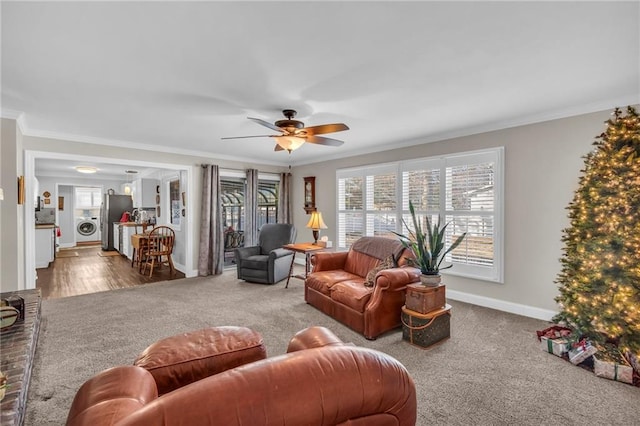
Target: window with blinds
x: 464, y: 190
x: 87, y: 197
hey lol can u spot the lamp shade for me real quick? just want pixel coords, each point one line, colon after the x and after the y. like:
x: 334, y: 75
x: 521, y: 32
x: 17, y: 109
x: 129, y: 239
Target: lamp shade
x: 289, y: 143
x: 316, y: 222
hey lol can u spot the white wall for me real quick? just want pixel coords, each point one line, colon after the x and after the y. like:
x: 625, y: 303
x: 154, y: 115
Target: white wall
x: 11, y: 214
x: 542, y: 167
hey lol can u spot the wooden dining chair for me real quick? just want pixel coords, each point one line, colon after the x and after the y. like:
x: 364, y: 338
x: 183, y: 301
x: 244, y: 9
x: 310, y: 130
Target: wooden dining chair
x: 159, y: 248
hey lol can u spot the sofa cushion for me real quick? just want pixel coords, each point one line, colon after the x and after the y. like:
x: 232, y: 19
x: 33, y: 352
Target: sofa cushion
x: 322, y: 281
x: 352, y: 293
x: 388, y: 263
x: 256, y: 262
x: 359, y: 263
x: 186, y: 358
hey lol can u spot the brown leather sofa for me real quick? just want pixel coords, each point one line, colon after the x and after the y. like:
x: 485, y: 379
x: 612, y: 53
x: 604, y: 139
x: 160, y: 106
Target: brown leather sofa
x: 337, y: 285
x: 319, y: 381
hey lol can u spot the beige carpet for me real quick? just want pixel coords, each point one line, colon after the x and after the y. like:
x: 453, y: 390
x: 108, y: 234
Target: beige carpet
x: 491, y: 371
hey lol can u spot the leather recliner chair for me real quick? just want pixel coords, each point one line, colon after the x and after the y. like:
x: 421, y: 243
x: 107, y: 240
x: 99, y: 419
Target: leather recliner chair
x: 319, y: 381
x: 268, y: 262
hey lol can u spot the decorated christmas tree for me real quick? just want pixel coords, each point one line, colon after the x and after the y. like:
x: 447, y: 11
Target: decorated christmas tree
x: 600, y: 277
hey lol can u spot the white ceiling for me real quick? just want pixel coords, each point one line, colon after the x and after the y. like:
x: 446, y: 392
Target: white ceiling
x: 178, y: 76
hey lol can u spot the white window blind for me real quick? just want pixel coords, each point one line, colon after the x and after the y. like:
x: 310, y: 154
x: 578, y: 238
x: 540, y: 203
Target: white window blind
x: 87, y: 197
x: 464, y: 190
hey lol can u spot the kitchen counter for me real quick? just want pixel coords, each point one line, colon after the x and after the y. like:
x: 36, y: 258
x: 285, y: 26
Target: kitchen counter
x: 129, y: 224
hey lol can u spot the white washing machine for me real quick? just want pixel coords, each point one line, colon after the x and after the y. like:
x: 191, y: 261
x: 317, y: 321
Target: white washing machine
x: 87, y: 229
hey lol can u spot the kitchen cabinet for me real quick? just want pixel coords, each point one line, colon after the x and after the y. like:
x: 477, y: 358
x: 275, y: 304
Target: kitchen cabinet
x: 45, y: 245
x: 116, y: 236
x: 145, y: 192
x: 127, y: 248
x: 122, y: 233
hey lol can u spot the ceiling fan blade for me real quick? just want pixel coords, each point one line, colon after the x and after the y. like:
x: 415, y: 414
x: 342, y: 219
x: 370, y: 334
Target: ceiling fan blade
x: 266, y: 124
x: 278, y: 148
x: 244, y: 137
x: 325, y: 128
x: 321, y: 140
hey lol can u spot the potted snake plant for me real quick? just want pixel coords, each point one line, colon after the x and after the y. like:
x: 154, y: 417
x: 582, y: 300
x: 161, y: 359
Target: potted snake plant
x: 428, y: 247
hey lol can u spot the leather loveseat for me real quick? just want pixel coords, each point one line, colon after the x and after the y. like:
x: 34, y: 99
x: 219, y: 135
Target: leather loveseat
x: 337, y: 285
x: 319, y: 381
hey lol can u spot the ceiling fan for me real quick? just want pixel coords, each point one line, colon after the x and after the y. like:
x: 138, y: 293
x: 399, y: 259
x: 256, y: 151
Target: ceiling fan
x: 294, y: 134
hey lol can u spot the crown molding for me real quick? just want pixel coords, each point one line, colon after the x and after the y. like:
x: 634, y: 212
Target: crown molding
x: 572, y: 111
x: 20, y: 118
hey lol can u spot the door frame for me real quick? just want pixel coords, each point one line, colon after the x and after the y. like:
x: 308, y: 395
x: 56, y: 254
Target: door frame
x: 30, y: 273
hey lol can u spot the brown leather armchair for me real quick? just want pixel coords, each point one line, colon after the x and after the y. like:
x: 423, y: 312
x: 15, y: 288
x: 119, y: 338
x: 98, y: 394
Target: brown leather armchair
x: 320, y: 381
x: 337, y: 285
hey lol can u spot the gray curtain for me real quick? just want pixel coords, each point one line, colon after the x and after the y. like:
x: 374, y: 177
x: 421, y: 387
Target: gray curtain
x: 211, y: 257
x: 284, y: 198
x: 251, y: 209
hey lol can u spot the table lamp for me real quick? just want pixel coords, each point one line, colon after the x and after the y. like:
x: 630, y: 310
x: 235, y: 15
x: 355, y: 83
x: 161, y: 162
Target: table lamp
x: 316, y: 223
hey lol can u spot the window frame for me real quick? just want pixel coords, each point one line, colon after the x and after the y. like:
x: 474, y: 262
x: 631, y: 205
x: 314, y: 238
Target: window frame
x: 92, y: 191
x: 494, y: 272
x: 270, y: 210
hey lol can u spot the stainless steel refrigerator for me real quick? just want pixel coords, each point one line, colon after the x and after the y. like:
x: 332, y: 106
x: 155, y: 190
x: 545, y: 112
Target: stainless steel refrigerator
x: 111, y: 211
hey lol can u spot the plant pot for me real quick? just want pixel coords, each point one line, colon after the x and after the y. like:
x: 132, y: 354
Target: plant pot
x: 431, y: 280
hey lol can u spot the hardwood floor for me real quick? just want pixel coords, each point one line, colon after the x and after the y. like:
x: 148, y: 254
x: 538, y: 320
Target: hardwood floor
x: 86, y: 272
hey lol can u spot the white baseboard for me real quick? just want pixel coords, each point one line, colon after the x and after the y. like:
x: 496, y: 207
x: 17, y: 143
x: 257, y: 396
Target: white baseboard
x: 188, y: 273
x: 66, y: 245
x: 191, y: 273
x: 501, y: 305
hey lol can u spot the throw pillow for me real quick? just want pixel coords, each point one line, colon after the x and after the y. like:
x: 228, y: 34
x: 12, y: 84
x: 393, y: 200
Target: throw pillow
x: 388, y: 263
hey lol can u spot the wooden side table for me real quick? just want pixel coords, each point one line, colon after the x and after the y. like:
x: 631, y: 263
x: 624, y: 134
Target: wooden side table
x: 306, y: 249
x: 139, y: 244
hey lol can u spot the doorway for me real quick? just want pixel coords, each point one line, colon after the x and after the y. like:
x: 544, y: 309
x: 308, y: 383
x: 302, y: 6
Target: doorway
x: 232, y: 190
x: 64, y: 184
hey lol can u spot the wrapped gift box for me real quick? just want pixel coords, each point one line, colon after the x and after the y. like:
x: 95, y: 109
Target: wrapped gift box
x: 609, y: 363
x: 558, y: 346
x: 581, y: 352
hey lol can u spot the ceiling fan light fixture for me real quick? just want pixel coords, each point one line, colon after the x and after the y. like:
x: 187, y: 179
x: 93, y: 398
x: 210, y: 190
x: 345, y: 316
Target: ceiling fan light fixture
x: 86, y: 169
x: 290, y: 143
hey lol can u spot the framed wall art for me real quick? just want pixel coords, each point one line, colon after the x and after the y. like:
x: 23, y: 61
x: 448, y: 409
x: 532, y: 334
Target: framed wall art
x: 310, y: 194
x: 20, y: 189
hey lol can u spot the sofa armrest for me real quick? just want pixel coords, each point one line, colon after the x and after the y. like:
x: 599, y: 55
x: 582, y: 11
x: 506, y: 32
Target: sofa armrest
x: 396, y: 278
x: 280, y: 252
x: 313, y: 337
x: 328, y: 261
x: 244, y: 252
x: 111, y: 396
x: 329, y: 385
